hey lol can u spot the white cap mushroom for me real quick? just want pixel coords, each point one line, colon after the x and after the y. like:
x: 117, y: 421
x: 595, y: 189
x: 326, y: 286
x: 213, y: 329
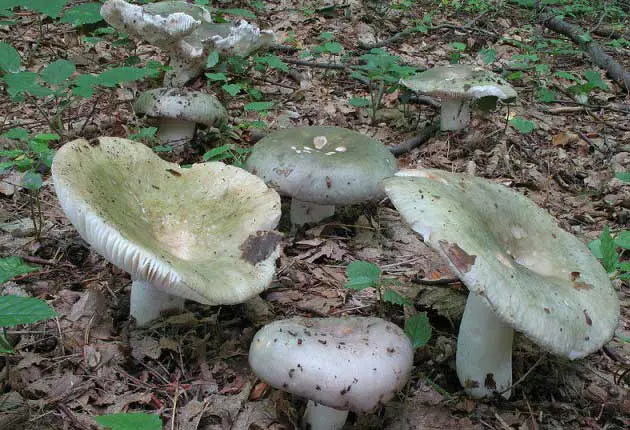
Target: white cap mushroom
x: 202, y: 233
x: 179, y: 110
x: 186, y: 32
x: 339, y: 364
x: 320, y: 167
x: 457, y: 85
x: 522, y: 270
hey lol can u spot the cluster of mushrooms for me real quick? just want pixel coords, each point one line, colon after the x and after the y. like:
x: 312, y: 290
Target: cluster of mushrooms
x: 207, y: 234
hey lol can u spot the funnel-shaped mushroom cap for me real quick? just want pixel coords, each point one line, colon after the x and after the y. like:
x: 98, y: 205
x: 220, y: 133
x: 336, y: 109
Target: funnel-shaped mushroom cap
x: 460, y: 81
x: 355, y: 363
x: 536, y: 277
x: 183, y: 104
x: 324, y: 165
x: 202, y: 233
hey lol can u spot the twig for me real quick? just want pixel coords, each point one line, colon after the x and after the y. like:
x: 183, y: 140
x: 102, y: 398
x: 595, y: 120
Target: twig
x: 441, y: 281
x: 315, y: 64
x: 578, y: 36
x: 37, y: 260
x: 522, y: 378
x: 427, y: 133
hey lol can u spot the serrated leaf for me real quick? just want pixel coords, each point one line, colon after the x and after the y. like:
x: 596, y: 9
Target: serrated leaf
x: 212, y: 60
x: 418, y: 329
x: 10, y: 59
x: 258, y: 106
x: 524, y: 126
x: 595, y: 78
x: 118, y: 75
x: 609, y: 251
x: 458, y: 46
x: 17, y: 133
x: 130, y: 421
x: 10, y: 267
x: 391, y: 296
x: 360, y: 283
x: 52, y: 8
x: 363, y: 270
x: 57, y: 71
x: 488, y: 55
x: 545, y: 95
x: 32, y: 180
x: 566, y: 75
x: 16, y: 310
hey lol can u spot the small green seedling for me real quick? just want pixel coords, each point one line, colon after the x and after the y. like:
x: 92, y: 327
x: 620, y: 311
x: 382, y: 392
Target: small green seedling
x: 611, y: 250
x: 362, y: 275
x: 130, y: 421
x: 229, y: 153
x: 16, y: 310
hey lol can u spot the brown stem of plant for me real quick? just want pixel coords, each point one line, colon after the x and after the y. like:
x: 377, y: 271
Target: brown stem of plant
x: 427, y: 133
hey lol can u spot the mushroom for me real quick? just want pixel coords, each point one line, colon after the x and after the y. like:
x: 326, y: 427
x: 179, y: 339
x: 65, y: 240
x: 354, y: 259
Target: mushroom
x: 203, y: 233
x: 320, y: 167
x: 457, y: 85
x: 339, y: 364
x: 522, y: 270
x: 186, y: 32
x: 179, y: 109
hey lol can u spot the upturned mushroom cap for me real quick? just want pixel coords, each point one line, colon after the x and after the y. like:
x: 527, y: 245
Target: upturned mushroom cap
x: 324, y: 165
x: 460, y: 81
x: 202, y: 233
x: 536, y: 277
x: 352, y: 364
x: 182, y: 104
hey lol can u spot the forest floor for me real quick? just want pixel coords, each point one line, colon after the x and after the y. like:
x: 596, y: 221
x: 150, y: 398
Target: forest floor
x: 192, y: 369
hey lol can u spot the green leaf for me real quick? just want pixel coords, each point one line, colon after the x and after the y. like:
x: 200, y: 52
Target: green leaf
x: 418, y: 329
x: 274, y: 62
x: 52, y: 8
x: 258, y: 106
x: 10, y: 267
x: 17, y: 133
x: 596, y: 248
x: 624, y: 266
x: 391, y: 296
x: 360, y: 283
x: 595, y: 78
x: 212, y: 60
x: 458, y: 46
x: 624, y: 176
x: 359, y: 102
x: 232, y: 89
x: 622, y: 240
x: 5, y: 345
x: 609, y: 251
x: 130, y: 421
x: 566, y: 75
x: 220, y: 152
x: 326, y: 36
x: 32, y: 180
x: 363, y: 271
x: 524, y: 126
x: 545, y: 95
x: 163, y: 148
x: 216, y: 76
x: 16, y: 310
x: 57, y: 71
x: 20, y: 82
x: 86, y: 13
x: 118, y: 75
x: 585, y: 38
x: 10, y: 59
x: 489, y: 55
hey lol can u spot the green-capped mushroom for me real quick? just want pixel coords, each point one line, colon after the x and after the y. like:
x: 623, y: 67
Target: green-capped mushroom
x: 523, y: 272
x: 203, y: 233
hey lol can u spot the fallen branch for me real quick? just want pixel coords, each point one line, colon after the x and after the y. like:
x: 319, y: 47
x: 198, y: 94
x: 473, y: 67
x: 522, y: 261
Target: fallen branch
x: 427, y: 133
x: 595, y: 52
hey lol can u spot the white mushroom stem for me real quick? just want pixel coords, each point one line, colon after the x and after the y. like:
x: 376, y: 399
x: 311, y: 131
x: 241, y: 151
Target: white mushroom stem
x: 148, y: 302
x: 455, y: 114
x: 175, y: 131
x: 320, y: 417
x: 306, y: 212
x: 484, y: 350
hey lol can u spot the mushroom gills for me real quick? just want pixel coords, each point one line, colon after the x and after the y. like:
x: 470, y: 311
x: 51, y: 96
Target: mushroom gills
x: 321, y: 417
x: 306, y: 212
x: 148, y: 302
x: 484, y: 350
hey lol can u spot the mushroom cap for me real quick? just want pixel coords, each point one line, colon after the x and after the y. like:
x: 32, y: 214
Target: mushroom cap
x: 323, y: 165
x: 460, y: 81
x: 355, y: 363
x: 183, y: 104
x: 535, y: 276
x: 203, y: 233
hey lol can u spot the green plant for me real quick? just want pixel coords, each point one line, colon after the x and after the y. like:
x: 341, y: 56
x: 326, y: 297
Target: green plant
x: 524, y: 126
x: 362, y: 275
x: 228, y: 153
x: 328, y: 47
x: 130, y: 421
x: 611, y: 250
x: 16, y: 310
x: 383, y: 73
x: 30, y: 156
x: 457, y: 49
